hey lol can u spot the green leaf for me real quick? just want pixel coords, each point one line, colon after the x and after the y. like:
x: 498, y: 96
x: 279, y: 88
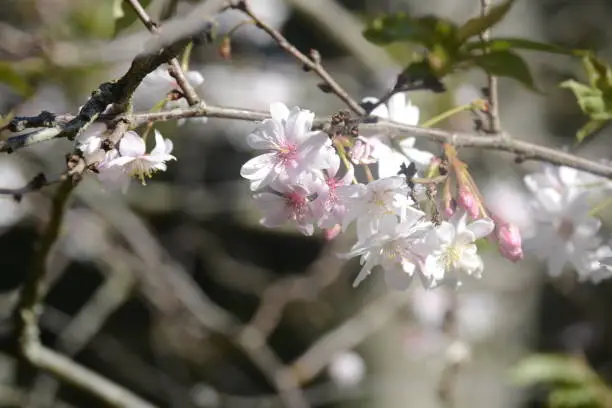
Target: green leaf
x: 504, y: 44
x: 574, y: 397
x: 589, y: 128
x: 592, y: 101
x: 390, y: 28
x: 548, y: 368
x: 118, y: 9
x: 477, y: 25
x: 94, y: 19
x: 506, y: 64
x: 598, y: 72
x: 10, y: 76
x: 428, y: 30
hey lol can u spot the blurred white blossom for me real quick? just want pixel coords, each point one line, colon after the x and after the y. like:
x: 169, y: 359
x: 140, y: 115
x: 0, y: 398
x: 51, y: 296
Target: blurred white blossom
x: 566, y: 232
x: 347, y: 369
x: 11, y: 176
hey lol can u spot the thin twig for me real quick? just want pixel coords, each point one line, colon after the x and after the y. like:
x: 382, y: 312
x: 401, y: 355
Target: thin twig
x: 522, y: 149
x: 73, y: 373
x: 491, y: 92
x: 278, y: 295
x: 345, y: 28
x: 28, y: 308
x: 33, y: 288
x: 175, y: 67
x: 36, y: 183
x: 311, y: 63
x: 349, y: 334
x: 174, y: 292
x: 448, y: 377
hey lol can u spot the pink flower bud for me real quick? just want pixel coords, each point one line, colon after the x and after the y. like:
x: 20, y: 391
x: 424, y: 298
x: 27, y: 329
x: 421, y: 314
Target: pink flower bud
x: 509, y: 241
x: 466, y: 200
x: 361, y: 152
x: 450, y: 207
x: 331, y: 233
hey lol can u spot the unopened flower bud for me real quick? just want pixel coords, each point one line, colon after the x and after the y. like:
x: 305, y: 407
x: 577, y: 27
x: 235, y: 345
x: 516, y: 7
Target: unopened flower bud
x: 509, y: 241
x: 361, y: 152
x: 331, y: 233
x: 467, y: 201
x: 225, y: 48
x: 450, y: 207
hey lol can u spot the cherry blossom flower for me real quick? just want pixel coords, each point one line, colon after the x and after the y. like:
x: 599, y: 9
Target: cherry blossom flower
x: 450, y: 249
x: 133, y: 160
x: 292, y: 148
x: 391, y: 154
x: 377, y: 203
x: 392, y: 248
x: 290, y: 203
x: 362, y: 151
x: 90, y: 140
x: 566, y: 232
x: 333, y: 207
x: 561, y: 178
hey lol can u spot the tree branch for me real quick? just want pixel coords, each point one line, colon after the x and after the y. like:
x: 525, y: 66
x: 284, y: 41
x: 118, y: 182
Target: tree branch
x: 36, y: 183
x: 522, y: 149
x: 349, y: 334
x: 116, y: 93
x: 448, y: 377
x: 175, y: 67
x: 30, y: 302
x: 491, y: 91
x: 313, y: 63
x: 75, y: 374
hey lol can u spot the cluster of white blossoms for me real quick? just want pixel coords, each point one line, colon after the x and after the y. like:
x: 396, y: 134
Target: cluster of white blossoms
x: 118, y: 165
x: 563, y: 200
x: 306, y: 177
x: 298, y: 180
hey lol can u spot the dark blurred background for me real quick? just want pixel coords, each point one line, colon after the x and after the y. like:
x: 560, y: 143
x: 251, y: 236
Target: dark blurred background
x: 151, y: 289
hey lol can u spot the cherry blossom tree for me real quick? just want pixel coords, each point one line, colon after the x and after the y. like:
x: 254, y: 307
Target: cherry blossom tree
x: 363, y: 174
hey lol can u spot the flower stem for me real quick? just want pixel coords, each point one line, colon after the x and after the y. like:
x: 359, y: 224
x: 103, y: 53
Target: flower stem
x: 601, y: 206
x: 237, y: 26
x: 368, y: 172
x: 345, y: 160
x: 185, y: 56
x: 445, y: 115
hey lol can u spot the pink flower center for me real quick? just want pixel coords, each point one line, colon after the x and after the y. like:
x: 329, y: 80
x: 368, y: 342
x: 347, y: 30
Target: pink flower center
x: 332, y: 185
x: 287, y: 154
x: 298, y: 203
